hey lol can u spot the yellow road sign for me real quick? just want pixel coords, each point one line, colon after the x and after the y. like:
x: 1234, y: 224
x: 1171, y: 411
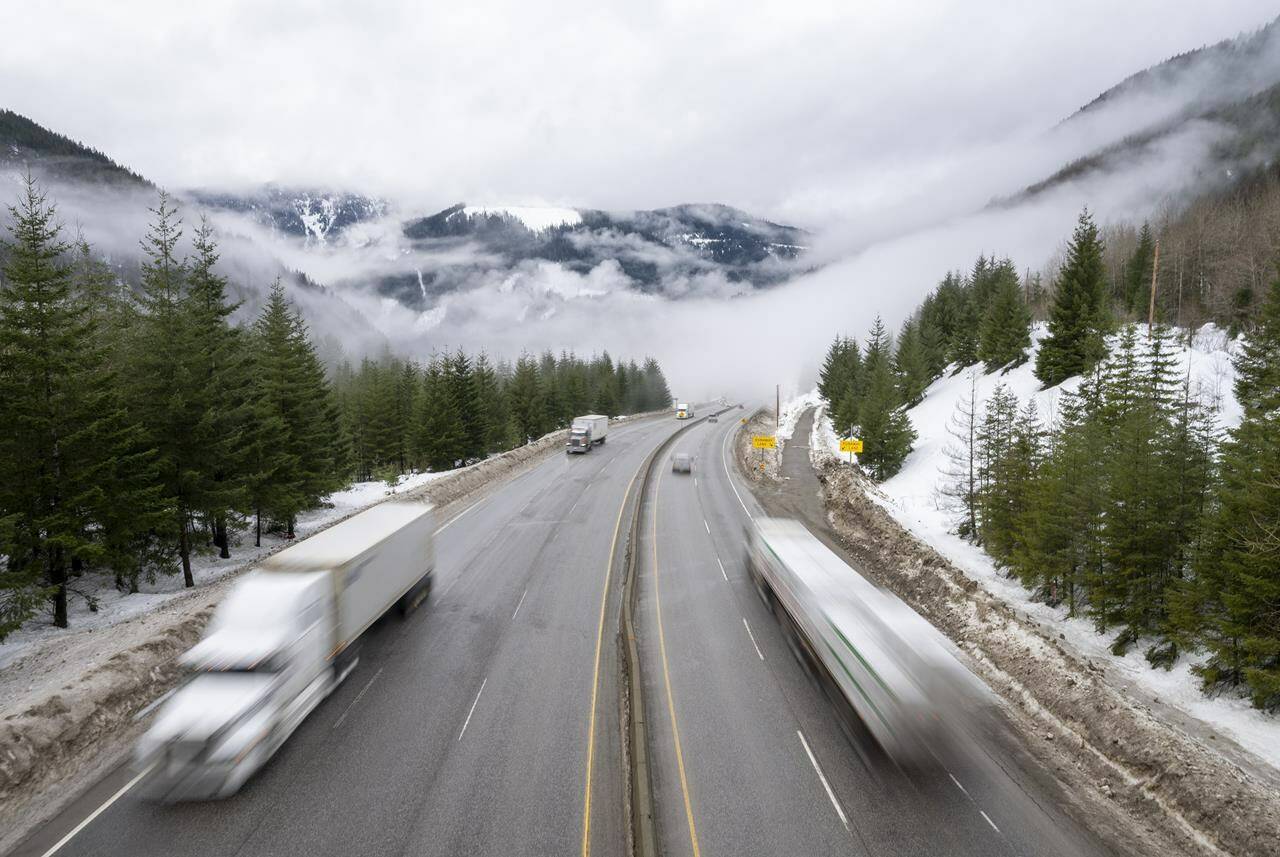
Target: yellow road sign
x: 764, y: 441
x: 850, y: 445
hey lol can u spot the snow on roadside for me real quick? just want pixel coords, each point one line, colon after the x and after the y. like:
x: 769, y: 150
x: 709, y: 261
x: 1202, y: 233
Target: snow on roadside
x: 792, y: 409
x: 114, y: 606
x: 913, y: 499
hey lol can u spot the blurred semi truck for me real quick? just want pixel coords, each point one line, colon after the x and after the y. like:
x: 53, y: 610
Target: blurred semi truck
x: 892, y: 677
x: 279, y: 643
x: 587, y: 432
x: 684, y: 410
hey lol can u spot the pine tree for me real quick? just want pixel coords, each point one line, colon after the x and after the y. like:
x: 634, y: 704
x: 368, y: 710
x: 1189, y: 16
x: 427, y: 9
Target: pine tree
x: 1005, y: 334
x: 960, y: 472
x: 66, y: 441
x: 166, y: 385
x: 886, y: 430
x: 1238, y: 569
x: 911, y: 364
x: 220, y: 381
x: 524, y: 400
x: 1137, y: 274
x: 1078, y: 320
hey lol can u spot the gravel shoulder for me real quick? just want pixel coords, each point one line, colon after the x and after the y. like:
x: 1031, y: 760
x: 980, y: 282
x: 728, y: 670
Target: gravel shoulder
x: 1138, y: 781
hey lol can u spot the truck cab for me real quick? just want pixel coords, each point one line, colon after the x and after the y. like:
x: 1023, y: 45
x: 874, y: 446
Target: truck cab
x: 261, y: 668
x: 684, y: 410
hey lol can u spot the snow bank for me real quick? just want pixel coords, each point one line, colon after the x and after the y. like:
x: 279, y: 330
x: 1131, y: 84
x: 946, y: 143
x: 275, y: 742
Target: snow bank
x: 114, y: 606
x: 912, y: 498
x: 793, y: 408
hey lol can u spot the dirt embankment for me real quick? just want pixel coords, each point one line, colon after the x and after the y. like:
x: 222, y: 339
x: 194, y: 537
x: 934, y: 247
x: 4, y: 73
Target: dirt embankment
x: 1106, y: 746
x: 54, y: 742
x: 755, y: 463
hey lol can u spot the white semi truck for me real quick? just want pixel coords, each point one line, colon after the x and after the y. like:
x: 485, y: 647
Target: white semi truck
x: 587, y: 432
x: 279, y: 643
x: 684, y: 411
x: 894, y: 679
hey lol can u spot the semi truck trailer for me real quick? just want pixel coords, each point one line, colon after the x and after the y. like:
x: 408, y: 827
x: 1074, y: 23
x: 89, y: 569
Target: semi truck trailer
x: 896, y: 684
x: 587, y: 432
x: 283, y: 638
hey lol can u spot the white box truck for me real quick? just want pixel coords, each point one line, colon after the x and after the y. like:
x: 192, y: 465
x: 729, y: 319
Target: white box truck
x: 279, y: 643
x: 684, y: 411
x: 587, y: 432
x: 893, y: 678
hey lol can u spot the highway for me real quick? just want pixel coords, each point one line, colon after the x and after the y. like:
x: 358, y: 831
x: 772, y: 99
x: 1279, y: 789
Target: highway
x: 486, y: 723
x: 748, y: 757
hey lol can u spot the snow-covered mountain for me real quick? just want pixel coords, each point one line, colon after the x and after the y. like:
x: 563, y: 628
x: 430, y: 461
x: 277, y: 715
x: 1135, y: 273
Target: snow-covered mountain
x: 316, y: 216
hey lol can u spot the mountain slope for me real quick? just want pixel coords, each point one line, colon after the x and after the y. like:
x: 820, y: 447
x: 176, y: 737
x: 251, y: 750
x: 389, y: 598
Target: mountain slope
x: 24, y: 143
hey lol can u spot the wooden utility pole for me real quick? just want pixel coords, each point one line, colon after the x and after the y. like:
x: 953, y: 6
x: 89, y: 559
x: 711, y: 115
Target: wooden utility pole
x: 1151, y: 309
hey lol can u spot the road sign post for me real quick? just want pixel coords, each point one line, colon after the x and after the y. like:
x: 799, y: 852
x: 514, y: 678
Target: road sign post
x: 850, y: 445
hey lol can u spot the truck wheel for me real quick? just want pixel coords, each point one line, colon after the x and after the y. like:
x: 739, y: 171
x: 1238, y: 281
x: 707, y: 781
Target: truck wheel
x: 762, y: 588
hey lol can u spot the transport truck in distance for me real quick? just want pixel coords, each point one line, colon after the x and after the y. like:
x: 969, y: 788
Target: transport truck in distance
x: 684, y: 411
x: 279, y: 643
x: 586, y: 432
x: 894, y: 680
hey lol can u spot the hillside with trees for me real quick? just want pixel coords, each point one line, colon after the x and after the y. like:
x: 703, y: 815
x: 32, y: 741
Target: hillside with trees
x: 1130, y: 504
x: 143, y: 427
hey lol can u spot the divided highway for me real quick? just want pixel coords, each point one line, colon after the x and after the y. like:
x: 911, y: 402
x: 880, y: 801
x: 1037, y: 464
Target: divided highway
x: 748, y: 757
x: 486, y: 723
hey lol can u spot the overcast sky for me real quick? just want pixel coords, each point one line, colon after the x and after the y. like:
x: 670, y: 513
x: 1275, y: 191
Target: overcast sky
x: 795, y: 110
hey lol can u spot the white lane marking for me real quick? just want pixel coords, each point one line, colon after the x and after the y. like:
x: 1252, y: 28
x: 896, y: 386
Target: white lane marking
x: 989, y: 821
x: 575, y: 505
x: 513, y: 615
x: 708, y: 526
x: 722, y: 574
x: 957, y: 782
x: 97, y: 812
x: 359, y: 696
x: 695, y: 482
x: 821, y: 776
x: 473, y: 708
x: 753, y: 644
x: 724, y: 459
x: 447, y: 524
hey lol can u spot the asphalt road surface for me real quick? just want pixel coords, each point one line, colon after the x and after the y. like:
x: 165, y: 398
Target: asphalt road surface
x: 479, y: 725
x: 748, y: 756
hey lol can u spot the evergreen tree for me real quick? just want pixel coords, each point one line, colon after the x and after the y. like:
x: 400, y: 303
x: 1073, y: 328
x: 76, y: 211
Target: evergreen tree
x: 1005, y: 334
x: 1238, y: 569
x: 886, y: 430
x: 1137, y: 274
x: 66, y: 441
x: 525, y: 400
x: 1078, y: 320
x: 911, y: 364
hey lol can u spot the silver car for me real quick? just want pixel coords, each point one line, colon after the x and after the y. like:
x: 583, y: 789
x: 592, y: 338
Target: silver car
x: 682, y: 462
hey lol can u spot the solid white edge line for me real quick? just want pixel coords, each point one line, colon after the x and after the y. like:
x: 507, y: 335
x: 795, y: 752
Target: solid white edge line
x: 359, y: 696
x: 989, y: 821
x: 474, y: 702
x: 448, y: 523
x: 722, y: 574
x: 518, y: 606
x: 97, y: 812
x: 821, y: 776
x: 724, y: 459
x: 753, y: 638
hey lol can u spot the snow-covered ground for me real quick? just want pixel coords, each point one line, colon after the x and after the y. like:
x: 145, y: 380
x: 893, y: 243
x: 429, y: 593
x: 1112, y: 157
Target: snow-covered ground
x: 114, y: 606
x: 912, y: 497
